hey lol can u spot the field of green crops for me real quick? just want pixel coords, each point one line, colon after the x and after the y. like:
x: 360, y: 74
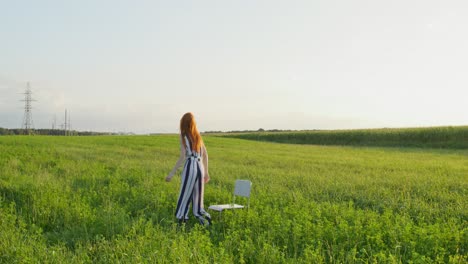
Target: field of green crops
x: 426, y: 137
x: 104, y: 200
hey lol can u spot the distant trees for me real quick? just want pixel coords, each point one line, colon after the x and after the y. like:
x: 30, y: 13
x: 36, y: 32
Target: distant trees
x: 50, y: 132
x: 4, y: 131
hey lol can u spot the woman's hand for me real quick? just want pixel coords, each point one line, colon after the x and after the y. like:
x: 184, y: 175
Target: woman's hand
x: 206, y: 179
x: 168, y: 178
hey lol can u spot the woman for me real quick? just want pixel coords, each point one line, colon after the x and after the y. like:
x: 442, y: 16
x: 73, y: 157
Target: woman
x: 195, y: 173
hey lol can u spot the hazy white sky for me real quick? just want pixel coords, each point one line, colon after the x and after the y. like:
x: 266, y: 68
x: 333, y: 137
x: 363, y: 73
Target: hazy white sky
x: 244, y: 64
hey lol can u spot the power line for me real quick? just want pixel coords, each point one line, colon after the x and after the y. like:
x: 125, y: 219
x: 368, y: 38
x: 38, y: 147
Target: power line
x: 54, y: 122
x: 28, y: 123
x: 65, y: 125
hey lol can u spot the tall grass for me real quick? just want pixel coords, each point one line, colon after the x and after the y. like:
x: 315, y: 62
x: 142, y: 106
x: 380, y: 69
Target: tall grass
x: 104, y: 200
x: 431, y: 137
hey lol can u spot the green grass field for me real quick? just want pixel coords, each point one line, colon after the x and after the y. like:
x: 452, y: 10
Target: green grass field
x: 104, y: 200
x: 427, y: 137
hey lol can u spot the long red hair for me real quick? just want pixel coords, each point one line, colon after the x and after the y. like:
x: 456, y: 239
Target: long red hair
x: 188, y: 127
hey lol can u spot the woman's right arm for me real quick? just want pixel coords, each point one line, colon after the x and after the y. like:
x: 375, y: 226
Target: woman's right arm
x: 179, y: 163
x: 205, y: 164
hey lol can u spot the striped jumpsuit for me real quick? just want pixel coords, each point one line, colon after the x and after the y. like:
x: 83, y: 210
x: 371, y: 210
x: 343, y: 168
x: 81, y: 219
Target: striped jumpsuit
x: 192, y: 185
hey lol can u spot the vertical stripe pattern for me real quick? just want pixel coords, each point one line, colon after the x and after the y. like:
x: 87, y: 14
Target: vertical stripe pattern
x: 192, y: 187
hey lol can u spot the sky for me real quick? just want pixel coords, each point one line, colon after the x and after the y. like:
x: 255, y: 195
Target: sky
x: 138, y: 66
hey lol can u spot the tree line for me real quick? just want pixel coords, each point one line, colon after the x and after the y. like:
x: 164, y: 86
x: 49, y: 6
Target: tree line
x: 50, y: 132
